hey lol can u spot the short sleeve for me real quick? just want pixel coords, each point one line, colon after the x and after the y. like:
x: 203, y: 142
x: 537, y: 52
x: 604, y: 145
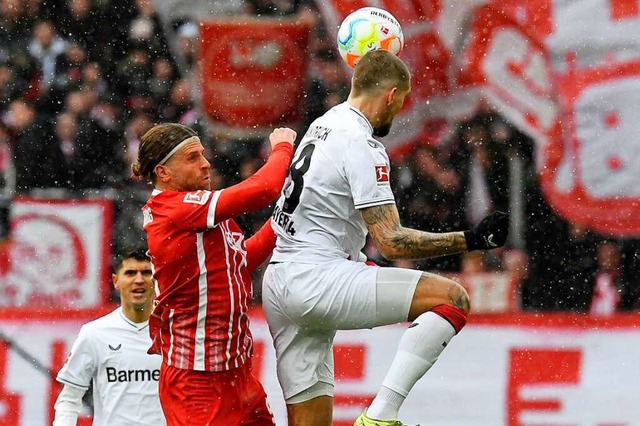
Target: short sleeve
x: 366, y: 167
x: 195, y: 211
x: 80, y: 367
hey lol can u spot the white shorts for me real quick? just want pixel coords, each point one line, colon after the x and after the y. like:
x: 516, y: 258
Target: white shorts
x: 306, y: 303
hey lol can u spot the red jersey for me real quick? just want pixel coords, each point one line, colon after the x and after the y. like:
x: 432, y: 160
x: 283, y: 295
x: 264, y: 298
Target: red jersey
x: 202, y: 265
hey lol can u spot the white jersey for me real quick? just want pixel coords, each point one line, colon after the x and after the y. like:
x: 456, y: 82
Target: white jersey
x: 337, y: 169
x: 111, y: 353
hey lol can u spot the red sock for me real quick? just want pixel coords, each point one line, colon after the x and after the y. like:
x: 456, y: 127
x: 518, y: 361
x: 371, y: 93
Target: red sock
x: 456, y: 316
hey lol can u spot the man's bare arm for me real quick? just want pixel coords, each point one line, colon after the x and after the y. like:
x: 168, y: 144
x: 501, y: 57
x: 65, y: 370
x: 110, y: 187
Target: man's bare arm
x: 397, y: 242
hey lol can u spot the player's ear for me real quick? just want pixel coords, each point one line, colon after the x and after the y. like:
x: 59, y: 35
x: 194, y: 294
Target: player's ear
x: 391, y: 95
x: 162, y: 172
x: 114, y: 280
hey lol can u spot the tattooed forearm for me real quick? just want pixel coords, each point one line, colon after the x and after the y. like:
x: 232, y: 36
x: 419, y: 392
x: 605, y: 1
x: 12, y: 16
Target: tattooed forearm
x: 396, y: 242
x: 413, y: 244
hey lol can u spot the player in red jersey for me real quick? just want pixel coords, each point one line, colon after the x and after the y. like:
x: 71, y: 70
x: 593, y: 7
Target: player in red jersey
x: 202, y: 266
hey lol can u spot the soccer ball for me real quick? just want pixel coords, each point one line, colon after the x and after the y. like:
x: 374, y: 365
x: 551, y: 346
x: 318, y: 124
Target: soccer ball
x: 368, y: 28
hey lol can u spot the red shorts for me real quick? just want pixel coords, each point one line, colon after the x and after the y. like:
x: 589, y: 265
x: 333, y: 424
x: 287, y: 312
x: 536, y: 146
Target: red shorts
x: 201, y: 398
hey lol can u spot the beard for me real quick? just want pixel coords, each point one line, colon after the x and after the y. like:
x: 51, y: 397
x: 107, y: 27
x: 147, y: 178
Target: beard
x: 382, y: 131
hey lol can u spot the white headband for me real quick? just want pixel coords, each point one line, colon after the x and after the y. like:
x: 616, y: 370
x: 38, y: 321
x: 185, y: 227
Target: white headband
x: 177, y: 148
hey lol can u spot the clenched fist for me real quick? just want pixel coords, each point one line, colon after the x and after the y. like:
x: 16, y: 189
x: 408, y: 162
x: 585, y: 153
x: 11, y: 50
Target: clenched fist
x: 490, y: 233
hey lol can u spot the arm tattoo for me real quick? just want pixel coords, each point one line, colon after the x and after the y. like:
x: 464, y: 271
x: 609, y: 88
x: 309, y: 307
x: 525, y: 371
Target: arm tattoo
x: 397, y: 242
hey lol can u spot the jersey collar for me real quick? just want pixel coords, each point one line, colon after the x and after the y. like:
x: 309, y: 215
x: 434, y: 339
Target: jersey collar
x: 361, y: 115
x: 137, y: 325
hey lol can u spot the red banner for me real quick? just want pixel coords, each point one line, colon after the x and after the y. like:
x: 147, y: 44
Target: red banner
x: 58, y: 254
x: 592, y: 176
x: 253, y: 72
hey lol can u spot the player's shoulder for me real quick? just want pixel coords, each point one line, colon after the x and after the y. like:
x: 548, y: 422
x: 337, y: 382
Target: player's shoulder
x: 168, y: 201
x: 110, y: 320
x: 347, y: 116
x: 338, y: 126
x: 94, y: 331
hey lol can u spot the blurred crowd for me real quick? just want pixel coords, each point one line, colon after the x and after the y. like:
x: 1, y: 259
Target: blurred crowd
x: 82, y: 80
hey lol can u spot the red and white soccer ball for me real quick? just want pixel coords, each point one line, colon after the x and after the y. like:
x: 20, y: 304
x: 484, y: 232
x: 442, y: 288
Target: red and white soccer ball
x: 368, y: 28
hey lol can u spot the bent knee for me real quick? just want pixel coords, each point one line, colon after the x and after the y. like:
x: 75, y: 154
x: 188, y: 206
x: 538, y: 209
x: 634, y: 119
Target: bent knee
x: 460, y: 297
x: 433, y: 290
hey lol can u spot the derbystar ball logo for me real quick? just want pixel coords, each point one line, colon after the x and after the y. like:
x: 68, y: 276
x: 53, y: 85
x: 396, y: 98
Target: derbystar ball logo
x: 382, y: 174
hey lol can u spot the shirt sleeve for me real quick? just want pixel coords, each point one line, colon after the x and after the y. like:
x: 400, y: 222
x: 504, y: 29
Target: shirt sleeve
x: 67, y: 406
x: 260, y: 246
x: 201, y: 210
x: 80, y: 367
x: 260, y: 189
x: 194, y: 211
x: 366, y: 167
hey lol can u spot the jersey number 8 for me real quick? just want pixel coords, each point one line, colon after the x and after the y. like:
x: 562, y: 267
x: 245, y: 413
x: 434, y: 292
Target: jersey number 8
x: 298, y: 168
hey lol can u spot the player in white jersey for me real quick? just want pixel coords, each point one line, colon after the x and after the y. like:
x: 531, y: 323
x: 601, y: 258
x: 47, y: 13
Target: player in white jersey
x: 338, y: 191
x: 110, y: 353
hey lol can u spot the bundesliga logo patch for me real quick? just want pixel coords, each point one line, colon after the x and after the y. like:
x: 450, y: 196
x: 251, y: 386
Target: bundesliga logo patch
x: 198, y: 197
x: 382, y: 174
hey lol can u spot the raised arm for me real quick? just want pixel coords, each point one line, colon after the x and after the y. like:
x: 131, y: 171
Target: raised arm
x: 260, y: 189
x: 397, y: 242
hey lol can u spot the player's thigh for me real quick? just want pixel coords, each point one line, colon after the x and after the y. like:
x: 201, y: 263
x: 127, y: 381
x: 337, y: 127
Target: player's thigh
x: 304, y: 356
x: 334, y: 295
x: 233, y: 397
x: 257, y: 412
x: 186, y: 396
x: 433, y: 290
x: 395, y: 289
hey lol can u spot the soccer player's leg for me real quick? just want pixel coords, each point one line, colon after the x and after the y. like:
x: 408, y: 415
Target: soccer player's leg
x: 317, y: 411
x: 304, y: 357
x: 256, y: 410
x: 437, y: 311
x: 193, y: 397
x: 304, y: 361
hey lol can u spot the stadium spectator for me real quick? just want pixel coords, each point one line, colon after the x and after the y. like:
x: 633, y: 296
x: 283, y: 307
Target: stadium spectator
x: 339, y: 190
x: 181, y: 106
x: 11, y: 86
x: 578, y: 265
x: 15, y: 26
x: 186, y: 47
x: 133, y: 72
x: 45, y: 47
x: 429, y: 197
x: 83, y: 22
x: 605, y: 299
x: 61, y: 151
x: 107, y: 351
x: 146, y: 28
x: 68, y: 77
x: 202, y: 267
x: 30, y: 134
x: 163, y: 77
x: 92, y: 77
x: 137, y: 126
x: 96, y: 161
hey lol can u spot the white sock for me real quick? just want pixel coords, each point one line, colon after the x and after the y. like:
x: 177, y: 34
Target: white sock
x: 418, y: 350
